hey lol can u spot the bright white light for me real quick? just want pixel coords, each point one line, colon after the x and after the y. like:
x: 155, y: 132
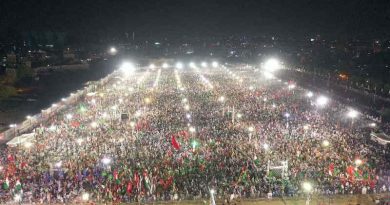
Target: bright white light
x: 251, y: 129
x: 17, y: 198
x: 272, y: 65
x: 188, y: 116
x: 373, y: 124
x: 85, y: 197
x: 325, y: 143
x: 132, y: 123
x: 179, y: 65
x: 106, y: 160
x: 28, y: 144
x: 187, y: 107
x: 322, y: 101
x: 58, y: 164
x: 212, y: 191
x: 192, y: 65
x: 291, y: 86
x: 268, y: 75
x: 309, y: 94
x: 127, y: 68
x: 287, y: 115
x: 184, y: 100
x: 165, y: 65
x: 352, y: 113
x: 79, y: 141
x: 221, y: 99
x: 192, y: 129
x: 138, y: 113
x: 28, y: 117
x: 306, y: 127
x: 94, y: 124
x: 307, y: 186
x: 358, y: 162
x: 265, y: 146
x: 52, y: 128
x: 214, y: 64
x: 152, y: 66
x: 239, y: 115
x: 204, y: 64
x: 113, y: 50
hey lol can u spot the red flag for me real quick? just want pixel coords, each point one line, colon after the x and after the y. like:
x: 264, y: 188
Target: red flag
x: 174, y: 143
x: 10, y: 158
x: 331, y: 169
x: 350, y: 170
x: 75, y: 124
x: 115, y: 174
x: 136, y: 179
x: 129, y: 188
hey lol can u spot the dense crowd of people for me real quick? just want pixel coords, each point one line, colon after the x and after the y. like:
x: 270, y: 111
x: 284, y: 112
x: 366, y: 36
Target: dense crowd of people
x: 174, y: 135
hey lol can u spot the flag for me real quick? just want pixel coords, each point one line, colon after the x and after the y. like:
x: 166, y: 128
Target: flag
x: 129, y: 187
x: 331, y: 169
x: 350, y: 170
x: 174, y: 143
x: 115, y: 173
x: 6, y: 184
x: 75, y: 124
x: 136, y: 181
x: 18, y: 186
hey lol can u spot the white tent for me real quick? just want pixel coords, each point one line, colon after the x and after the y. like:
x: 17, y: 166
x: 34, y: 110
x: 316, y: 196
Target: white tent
x: 22, y: 139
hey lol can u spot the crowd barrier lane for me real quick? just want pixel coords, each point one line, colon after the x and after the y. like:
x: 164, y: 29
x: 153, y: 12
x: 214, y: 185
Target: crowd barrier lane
x: 46, y: 114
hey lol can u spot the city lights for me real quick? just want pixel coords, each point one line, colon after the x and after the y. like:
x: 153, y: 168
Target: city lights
x: 214, y: 64
x: 307, y: 187
x: 179, y: 65
x: 271, y: 65
x: 127, y: 68
x: 352, y: 113
x: 322, y: 101
x: 106, y: 160
x: 113, y: 51
x: 325, y: 143
x: 85, y: 196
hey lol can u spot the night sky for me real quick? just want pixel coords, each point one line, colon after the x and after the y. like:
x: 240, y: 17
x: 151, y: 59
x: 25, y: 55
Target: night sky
x: 171, y: 18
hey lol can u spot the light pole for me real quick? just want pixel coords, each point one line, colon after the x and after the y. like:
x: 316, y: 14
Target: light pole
x: 212, y: 200
x: 14, y: 128
x: 352, y: 114
x: 307, y: 188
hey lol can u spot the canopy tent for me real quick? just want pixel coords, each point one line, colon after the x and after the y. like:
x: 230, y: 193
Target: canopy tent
x: 22, y: 139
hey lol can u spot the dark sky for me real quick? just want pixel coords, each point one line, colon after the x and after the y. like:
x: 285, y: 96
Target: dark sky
x: 158, y: 18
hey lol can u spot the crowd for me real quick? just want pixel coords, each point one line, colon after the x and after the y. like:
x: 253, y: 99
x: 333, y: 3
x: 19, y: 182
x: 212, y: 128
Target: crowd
x: 174, y: 135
